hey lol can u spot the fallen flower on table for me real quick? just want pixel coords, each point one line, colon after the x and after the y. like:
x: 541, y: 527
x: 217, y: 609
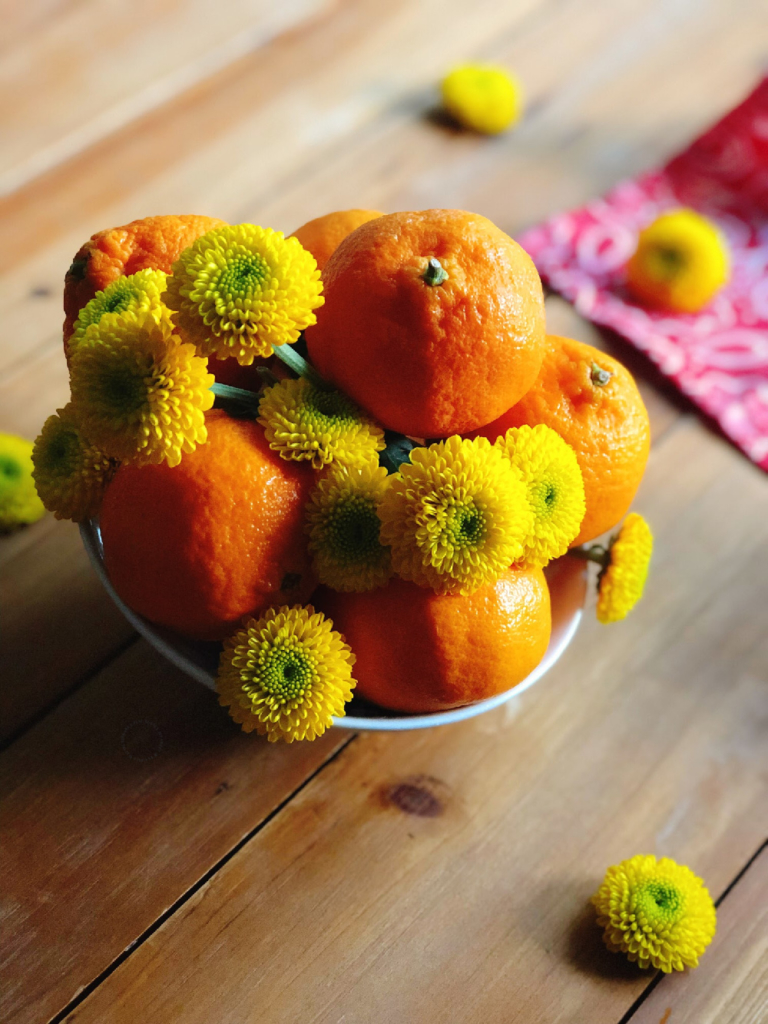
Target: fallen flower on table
x: 19, y: 502
x: 680, y: 263
x: 483, y: 98
x: 656, y: 911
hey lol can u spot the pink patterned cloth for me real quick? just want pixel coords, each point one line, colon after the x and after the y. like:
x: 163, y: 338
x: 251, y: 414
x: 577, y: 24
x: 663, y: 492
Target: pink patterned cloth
x: 719, y: 357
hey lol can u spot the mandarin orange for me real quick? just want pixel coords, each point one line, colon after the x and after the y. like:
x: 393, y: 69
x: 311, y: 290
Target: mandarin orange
x: 433, y: 321
x: 420, y: 651
x: 323, y: 235
x: 149, y: 243
x: 218, y: 537
x: 592, y: 401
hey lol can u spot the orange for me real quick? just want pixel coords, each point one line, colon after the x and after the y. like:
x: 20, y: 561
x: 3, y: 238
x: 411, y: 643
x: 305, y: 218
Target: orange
x: 218, y: 537
x: 421, y: 651
x: 430, y: 359
x: 229, y: 371
x: 152, y: 243
x: 592, y: 401
x: 323, y: 235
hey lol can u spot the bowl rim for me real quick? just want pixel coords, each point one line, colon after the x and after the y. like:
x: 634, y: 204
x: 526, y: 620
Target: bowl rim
x: 186, y: 654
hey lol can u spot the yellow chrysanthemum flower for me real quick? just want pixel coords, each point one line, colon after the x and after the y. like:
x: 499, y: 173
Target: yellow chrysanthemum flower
x: 625, y: 569
x: 134, y: 293
x: 456, y: 516
x: 344, y: 529
x: 486, y: 99
x: 681, y: 261
x: 550, y: 470
x: 139, y: 393
x: 71, y: 474
x: 286, y: 675
x: 19, y: 501
x: 305, y: 422
x: 657, y: 912
x: 240, y: 290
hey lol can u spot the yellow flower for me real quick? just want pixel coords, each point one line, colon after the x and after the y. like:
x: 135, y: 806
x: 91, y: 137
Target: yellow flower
x: 657, y: 912
x: 344, y: 529
x: 456, y: 516
x: 139, y: 393
x: 133, y: 293
x: 19, y: 502
x: 286, y: 675
x: 625, y: 569
x: 305, y: 422
x: 240, y: 290
x: 551, y: 473
x: 71, y: 474
x: 681, y: 261
x: 486, y: 99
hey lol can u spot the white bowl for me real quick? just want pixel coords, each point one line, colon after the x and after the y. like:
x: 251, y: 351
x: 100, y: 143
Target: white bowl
x: 567, y: 578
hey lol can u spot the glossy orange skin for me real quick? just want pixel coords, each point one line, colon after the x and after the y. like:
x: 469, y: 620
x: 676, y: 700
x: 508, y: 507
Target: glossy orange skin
x: 152, y: 243
x: 607, y: 426
x: 198, y: 547
x: 420, y: 651
x: 323, y: 235
x: 430, y: 361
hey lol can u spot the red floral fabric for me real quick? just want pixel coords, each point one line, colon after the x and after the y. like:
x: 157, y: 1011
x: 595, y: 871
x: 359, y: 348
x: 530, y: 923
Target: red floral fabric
x: 719, y: 357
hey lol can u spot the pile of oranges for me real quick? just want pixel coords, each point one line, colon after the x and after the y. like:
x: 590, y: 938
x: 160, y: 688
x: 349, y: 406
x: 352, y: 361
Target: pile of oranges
x: 395, y: 439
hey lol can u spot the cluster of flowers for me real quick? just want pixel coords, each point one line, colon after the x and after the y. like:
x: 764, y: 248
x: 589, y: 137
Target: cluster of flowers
x: 452, y: 515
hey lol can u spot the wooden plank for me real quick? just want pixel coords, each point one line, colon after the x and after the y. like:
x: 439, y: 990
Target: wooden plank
x: 72, y: 73
x: 112, y: 808
x: 730, y: 985
x: 648, y: 736
x: 58, y: 624
x: 349, y: 101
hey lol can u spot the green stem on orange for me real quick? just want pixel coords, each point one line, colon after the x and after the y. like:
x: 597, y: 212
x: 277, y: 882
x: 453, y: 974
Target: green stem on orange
x: 599, y: 376
x: 434, y: 274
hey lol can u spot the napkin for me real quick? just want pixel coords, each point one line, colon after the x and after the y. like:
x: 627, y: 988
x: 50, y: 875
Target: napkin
x: 719, y: 356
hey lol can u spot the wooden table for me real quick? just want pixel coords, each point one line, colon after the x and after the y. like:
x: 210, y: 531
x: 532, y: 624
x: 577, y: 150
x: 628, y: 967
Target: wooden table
x: 159, y: 866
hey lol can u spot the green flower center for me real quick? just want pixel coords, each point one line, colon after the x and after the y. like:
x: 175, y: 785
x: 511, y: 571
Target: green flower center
x: 116, y: 298
x: 10, y: 470
x: 544, y: 498
x: 244, y: 274
x: 285, y: 673
x: 660, y: 901
x: 353, y: 529
x: 62, y: 453
x: 122, y: 389
x: 466, y: 526
x: 664, y: 262
x: 332, y: 406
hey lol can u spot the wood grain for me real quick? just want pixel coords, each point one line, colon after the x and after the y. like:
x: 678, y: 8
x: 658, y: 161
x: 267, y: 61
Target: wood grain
x: 649, y: 736
x: 58, y: 624
x: 72, y: 73
x: 111, y: 809
x: 731, y: 982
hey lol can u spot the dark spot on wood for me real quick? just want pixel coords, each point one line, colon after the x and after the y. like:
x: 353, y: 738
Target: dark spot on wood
x: 41, y: 292
x: 223, y: 787
x: 416, y: 796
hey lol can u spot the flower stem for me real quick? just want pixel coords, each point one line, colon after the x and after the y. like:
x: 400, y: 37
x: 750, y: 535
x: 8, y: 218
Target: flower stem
x: 248, y: 399
x: 596, y: 553
x: 300, y: 366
